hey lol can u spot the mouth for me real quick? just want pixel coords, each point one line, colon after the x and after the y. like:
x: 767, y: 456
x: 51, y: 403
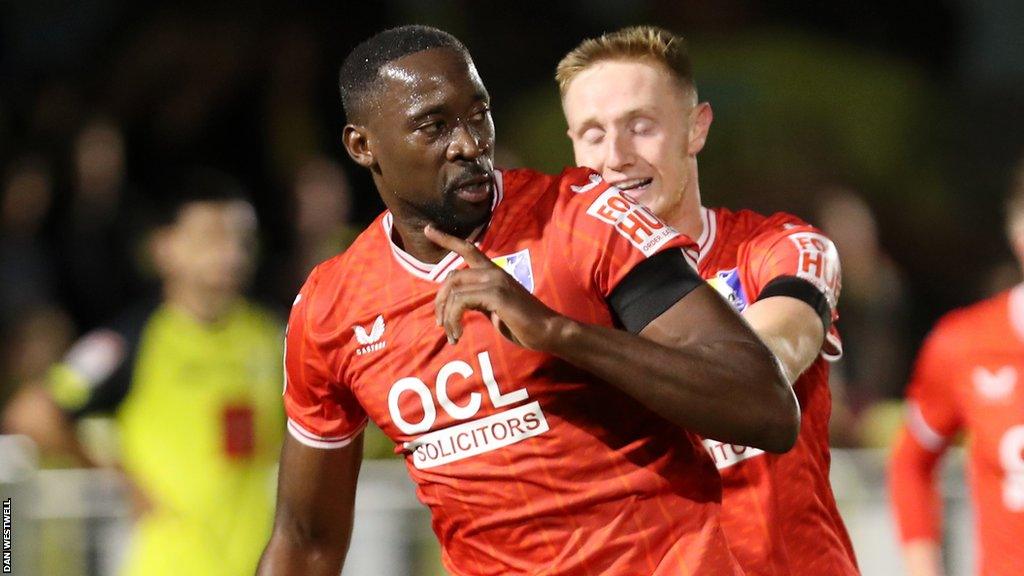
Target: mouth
x: 475, y: 190
x: 634, y: 188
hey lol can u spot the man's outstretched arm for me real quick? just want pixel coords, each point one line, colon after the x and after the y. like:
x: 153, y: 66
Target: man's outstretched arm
x: 697, y: 364
x: 315, y: 505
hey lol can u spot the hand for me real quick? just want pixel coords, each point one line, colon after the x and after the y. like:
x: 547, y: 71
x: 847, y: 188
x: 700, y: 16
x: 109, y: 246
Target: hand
x: 515, y: 313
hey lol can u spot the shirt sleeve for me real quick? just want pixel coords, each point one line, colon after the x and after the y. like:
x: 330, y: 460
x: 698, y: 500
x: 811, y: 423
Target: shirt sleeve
x: 605, y: 234
x: 94, y: 376
x: 322, y: 411
x: 933, y: 411
x: 793, y: 249
x: 932, y: 418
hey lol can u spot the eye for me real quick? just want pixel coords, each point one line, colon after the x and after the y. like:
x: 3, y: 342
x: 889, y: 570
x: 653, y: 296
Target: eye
x: 642, y: 127
x: 481, y: 114
x: 431, y: 128
x: 593, y: 135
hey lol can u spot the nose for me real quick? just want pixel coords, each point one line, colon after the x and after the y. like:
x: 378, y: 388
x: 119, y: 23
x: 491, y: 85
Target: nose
x: 467, y: 143
x: 619, y: 154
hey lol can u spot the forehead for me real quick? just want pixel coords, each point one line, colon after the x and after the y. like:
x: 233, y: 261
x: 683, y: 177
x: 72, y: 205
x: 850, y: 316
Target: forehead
x: 614, y: 88
x: 232, y: 214
x: 433, y: 77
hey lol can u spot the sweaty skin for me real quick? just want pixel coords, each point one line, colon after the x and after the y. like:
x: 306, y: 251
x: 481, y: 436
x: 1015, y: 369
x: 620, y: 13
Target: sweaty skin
x: 432, y: 133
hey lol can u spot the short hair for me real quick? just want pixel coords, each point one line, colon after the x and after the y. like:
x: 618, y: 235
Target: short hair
x: 194, y: 186
x: 361, y: 68
x: 649, y: 43
x: 1014, y: 206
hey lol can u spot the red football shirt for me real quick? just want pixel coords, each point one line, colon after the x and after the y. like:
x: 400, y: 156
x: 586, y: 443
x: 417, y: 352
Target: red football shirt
x: 778, y: 511
x: 528, y: 464
x: 967, y: 378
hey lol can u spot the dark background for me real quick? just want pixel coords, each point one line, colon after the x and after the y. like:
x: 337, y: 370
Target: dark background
x: 915, y: 108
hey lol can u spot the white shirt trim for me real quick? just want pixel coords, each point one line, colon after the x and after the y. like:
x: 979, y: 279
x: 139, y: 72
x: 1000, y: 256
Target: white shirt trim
x: 837, y: 345
x: 709, y: 234
x: 925, y: 435
x: 437, y: 272
x: 307, y: 438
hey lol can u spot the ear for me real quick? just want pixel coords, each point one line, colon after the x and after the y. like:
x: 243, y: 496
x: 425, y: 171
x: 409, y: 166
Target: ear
x: 700, y: 122
x: 357, y: 144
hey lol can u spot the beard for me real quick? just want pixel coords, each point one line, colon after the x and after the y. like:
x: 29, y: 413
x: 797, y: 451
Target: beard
x: 453, y: 216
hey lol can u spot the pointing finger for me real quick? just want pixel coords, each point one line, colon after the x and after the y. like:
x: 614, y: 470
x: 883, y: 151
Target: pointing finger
x: 473, y: 256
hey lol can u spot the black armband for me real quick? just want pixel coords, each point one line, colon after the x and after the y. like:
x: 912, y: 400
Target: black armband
x: 651, y: 288
x: 801, y: 290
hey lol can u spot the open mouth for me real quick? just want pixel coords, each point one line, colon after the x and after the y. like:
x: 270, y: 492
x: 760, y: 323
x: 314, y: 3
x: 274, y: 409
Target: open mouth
x: 475, y: 190
x: 634, y: 188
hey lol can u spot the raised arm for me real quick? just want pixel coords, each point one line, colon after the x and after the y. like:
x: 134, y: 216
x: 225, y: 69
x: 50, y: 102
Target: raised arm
x: 315, y: 506
x: 697, y: 364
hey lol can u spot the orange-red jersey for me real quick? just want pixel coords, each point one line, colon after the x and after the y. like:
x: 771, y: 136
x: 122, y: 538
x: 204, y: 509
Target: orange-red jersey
x: 528, y: 464
x: 967, y: 378
x: 778, y: 511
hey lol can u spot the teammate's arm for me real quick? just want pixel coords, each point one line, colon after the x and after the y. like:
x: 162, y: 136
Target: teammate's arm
x: 917, y: 504
x: 790, y: 328
x: 698, y: 364
x: 933, y: 417
x: 315, y: 506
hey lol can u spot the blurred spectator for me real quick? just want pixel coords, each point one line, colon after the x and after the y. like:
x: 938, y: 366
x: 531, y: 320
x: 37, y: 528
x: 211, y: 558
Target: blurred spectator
x: 968, y: 380
x: 27, y: 271
x: 323, y: 204
x: 35, y: 340
x: 194, y: 384
x: 875, y: 304
x: 98, y: 242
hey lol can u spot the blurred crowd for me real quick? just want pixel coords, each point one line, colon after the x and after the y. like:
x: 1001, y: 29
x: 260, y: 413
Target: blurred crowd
x: 823, y: 114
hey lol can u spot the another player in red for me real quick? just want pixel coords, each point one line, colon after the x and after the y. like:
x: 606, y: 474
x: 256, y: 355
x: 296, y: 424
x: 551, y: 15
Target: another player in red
x: 535, y: 346
x: 967, y: 379
x: 634, y: 116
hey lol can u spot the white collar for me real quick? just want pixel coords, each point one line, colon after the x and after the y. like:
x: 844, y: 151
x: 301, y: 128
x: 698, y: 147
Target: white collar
x: 706, y: 240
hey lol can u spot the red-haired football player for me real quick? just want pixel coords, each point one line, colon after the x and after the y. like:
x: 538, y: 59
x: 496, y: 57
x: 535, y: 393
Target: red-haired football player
x: 634, y: 116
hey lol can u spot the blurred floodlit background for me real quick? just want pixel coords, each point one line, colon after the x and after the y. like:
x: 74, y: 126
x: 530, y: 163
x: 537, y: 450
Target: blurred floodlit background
x: 892, y: 125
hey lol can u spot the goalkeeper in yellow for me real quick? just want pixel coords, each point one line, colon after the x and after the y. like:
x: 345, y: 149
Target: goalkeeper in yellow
x: 193, y: 383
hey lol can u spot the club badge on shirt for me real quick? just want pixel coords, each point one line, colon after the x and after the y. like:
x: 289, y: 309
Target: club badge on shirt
x: 727, y: 283
x: 517, y: 266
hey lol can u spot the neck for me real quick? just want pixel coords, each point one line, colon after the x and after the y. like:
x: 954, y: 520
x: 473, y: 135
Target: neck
x: 685, y: 216
x: 408, y: 235
x: 205, y: 307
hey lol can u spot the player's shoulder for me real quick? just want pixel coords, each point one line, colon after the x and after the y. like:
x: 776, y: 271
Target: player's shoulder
x: 748, y: 225
x: 343, y: 277
x: 258, y: 317
x: 522, y: 187
x: 765, y: 233
x: 102, y: 352
x: 962, y: 326
x: 779, y: 225
x: 525, y: 180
